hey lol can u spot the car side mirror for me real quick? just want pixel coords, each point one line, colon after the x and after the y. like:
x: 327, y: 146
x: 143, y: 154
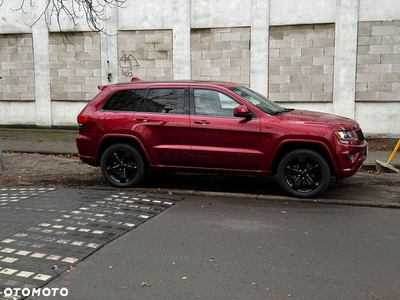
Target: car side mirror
x: 242, y: 111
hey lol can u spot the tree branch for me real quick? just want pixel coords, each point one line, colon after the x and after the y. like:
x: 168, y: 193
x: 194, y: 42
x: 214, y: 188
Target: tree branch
x: 92, y: 11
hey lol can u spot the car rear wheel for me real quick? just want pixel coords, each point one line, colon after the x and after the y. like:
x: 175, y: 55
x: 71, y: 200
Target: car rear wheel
x: 303, y: 173
x: 122, y: 165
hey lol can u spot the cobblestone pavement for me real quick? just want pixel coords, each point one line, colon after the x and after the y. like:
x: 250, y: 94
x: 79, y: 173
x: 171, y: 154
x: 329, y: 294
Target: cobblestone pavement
x: 46, y: 231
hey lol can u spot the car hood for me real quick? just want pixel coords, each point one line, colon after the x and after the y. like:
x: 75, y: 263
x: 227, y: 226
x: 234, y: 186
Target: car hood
x: 312, y: 117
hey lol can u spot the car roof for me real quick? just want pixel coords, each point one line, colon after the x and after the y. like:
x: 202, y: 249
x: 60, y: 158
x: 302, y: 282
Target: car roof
x: 146, y: 84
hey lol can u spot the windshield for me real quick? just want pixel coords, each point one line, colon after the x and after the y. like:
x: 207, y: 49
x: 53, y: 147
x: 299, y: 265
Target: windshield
x: 263, y: 103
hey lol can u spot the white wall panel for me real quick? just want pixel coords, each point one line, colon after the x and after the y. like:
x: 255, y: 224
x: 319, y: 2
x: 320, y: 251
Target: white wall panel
x: 145, y: 14
x: 379, y: 119
x: 373, y: 10
x: 302, y: 11
x: 65, y: 113
x: 211, y: 13
x: 12, y: 21
x: 20, y: 113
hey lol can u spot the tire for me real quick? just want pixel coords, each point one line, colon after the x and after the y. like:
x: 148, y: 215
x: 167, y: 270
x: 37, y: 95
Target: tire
x: 122, y: 166
x: 303, y: 173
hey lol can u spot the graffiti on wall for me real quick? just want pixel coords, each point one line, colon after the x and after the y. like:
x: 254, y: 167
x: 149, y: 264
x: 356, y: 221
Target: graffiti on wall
x: 127, y: 63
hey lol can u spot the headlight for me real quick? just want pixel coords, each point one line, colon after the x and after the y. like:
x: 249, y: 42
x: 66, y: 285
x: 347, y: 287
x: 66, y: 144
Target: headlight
x: 344, y: 135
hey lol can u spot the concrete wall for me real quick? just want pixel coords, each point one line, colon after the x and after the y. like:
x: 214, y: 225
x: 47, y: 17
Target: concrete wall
x: 146, y: 54
x: 337, y: 56
x: 221, y: 54
x: 301, y: 63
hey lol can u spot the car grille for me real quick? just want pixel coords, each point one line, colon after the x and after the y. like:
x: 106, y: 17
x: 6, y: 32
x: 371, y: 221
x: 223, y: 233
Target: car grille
x: 360, y: 134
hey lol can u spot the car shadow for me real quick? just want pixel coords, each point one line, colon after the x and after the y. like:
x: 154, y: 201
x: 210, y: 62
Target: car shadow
x: 212, y: 182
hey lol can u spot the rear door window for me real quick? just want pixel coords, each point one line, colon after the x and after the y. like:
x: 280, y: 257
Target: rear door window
x: 166, y: 100
x: 126, y: 100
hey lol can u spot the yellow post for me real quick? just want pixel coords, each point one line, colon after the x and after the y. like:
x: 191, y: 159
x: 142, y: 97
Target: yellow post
x: 394, y: 152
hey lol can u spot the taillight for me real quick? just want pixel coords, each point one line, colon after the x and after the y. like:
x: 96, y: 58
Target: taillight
x: 82, y: 119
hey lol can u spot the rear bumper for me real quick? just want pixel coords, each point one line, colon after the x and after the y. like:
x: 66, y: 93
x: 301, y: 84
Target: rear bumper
x: 84, y: 145
x: 88, y: 160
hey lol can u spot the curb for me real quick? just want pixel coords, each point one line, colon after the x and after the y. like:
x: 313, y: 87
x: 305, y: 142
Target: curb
x: 257, y: 197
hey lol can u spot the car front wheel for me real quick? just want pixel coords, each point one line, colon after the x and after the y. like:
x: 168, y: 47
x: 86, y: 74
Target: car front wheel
x: 122, y: 165
x: 303, y: 173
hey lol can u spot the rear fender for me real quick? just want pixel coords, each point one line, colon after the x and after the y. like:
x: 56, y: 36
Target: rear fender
x: 108, y: 140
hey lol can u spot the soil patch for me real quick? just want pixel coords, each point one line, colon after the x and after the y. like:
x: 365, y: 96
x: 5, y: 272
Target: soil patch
x: 23, y: 169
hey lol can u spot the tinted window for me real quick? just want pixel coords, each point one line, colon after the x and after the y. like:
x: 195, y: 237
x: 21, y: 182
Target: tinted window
x: 213, y: 103
x: 166, y: 101
x: 127, y: 100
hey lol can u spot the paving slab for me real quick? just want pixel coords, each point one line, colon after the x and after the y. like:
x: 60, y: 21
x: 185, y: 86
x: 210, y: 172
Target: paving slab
x: 44, y: 231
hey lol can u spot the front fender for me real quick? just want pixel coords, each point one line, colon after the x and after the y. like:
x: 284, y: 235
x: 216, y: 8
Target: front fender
x: 286, y: 144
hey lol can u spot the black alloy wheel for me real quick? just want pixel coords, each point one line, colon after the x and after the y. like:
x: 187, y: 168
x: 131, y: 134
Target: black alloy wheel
x: 303, y: 173
x: 122, y: 165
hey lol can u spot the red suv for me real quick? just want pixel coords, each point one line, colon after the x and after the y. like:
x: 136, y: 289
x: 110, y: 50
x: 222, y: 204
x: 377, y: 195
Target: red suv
x: 205, y: 127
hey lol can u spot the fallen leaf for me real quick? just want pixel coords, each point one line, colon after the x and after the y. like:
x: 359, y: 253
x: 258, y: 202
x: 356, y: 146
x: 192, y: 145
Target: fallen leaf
x: 64, y: 283
x: 145, y: 284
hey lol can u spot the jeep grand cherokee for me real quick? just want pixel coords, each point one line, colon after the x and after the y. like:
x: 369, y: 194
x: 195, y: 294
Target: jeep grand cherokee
x: 223, y: 127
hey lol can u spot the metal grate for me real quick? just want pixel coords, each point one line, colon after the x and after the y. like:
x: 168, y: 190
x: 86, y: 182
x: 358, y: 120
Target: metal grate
x: 360, y: 134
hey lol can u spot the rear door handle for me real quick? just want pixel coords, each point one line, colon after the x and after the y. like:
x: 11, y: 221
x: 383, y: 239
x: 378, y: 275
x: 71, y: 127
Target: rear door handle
x: 201, y: 122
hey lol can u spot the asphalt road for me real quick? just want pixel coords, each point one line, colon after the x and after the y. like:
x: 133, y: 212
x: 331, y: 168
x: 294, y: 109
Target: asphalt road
x: 235, y: 248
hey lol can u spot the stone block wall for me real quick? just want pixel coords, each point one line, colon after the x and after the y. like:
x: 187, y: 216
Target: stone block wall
x: 221, y: 54
x: 75, y: 68
x: 378, y: 61
x: 301, y: 59
x: 146, y: 54
x: 17, y: 81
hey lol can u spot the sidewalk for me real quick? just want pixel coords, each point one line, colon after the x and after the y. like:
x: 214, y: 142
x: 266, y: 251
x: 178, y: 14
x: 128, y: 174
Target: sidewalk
x: 45, y: 141
x: 57, y: 141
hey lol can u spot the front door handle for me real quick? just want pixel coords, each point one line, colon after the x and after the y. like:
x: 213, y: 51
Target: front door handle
x: 201, y: 122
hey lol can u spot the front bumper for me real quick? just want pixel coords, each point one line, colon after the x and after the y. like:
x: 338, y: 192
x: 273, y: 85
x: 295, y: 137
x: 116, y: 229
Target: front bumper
x: 351, y: 158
